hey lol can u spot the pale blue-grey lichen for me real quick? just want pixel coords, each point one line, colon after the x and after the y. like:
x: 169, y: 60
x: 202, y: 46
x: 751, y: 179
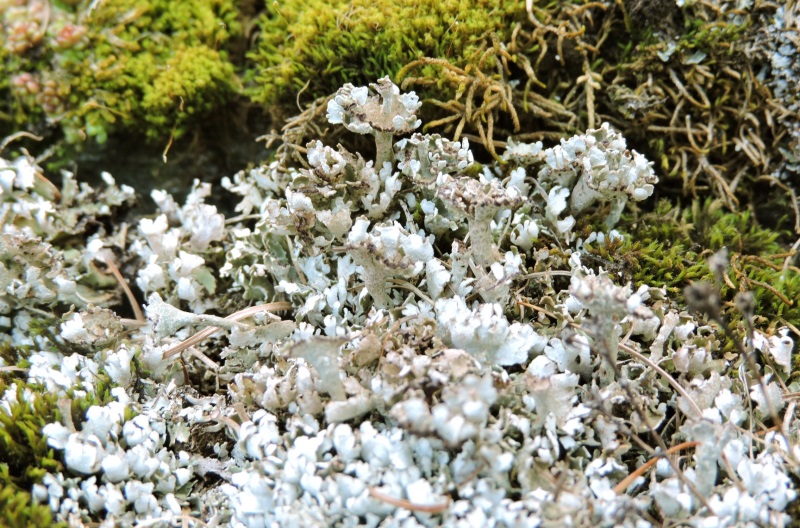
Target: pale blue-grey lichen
x: 409, y: 384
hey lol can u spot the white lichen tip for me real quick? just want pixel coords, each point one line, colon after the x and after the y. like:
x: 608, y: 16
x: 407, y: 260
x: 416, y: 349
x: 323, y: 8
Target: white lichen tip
x: 385, y: 251
x: 598, y: 167
x: 590, y: 168
x: 386, y: 111
x: 523, y: 152
x: 427, y: 158
x: 478, y: 202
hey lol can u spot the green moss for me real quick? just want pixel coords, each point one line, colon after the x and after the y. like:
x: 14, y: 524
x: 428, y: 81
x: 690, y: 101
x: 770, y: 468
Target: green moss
x: 24, y: 450
x: 151, y: 67
x: 25, y: 457
x: 178, y: 93
x: 24, y: 454
x: 327, y: 44
x: 17, y: 509
x: 670, y: 246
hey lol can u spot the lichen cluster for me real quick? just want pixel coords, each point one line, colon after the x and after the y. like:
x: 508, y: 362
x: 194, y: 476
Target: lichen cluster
x: 707, y: 90
x: 555, y: 284
x: 406, y: 339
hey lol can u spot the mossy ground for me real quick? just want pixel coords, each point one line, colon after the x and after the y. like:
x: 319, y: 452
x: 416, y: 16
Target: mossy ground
x: 148, y: 69
x: 669, y: 248
x: 24, y: 454
x: 332, y: 43
x: 25, y: 457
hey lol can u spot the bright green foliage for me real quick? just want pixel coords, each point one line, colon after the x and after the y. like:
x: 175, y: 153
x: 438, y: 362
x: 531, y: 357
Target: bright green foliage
x: 152, y: 67
x: 670, y: 247
x: 328, y: 44
x: 24, y: 455
x: 23, y: 450
x: 21, y: 436
x: 16, y: 508
x: 187, y: 76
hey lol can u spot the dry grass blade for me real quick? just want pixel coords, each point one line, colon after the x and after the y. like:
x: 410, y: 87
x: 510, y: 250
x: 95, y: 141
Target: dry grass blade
x: 238, y: 316
x: 107, y: 258
x: 641, y: 470
x: 672, y: 381
x: 403, y: 503
x: 13, y: 369
x: 13, y: 137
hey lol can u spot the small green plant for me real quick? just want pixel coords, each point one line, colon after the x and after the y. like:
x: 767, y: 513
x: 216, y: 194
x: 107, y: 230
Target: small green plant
x: 24, y: 454
x: 671, y: 245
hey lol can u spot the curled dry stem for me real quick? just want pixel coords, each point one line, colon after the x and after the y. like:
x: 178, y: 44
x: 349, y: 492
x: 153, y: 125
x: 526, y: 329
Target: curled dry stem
x: 791, y: 193
x: 294, y: 132
x: 590, y: 82
x: 725, y: 190
x: 17, y: 135
x: 469, y: 83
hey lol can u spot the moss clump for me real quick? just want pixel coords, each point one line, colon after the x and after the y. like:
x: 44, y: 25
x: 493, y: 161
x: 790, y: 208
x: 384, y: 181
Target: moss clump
x: 24, y: 454
x: 670, y: 247
x: 25, y: 457
x: 153, y: 67
x: 17, y: 508
x: 327, y: 44
x: 188, y: 74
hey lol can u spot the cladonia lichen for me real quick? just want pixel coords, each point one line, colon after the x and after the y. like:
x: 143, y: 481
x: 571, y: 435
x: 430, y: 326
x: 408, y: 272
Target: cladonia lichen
x: 403, y: 339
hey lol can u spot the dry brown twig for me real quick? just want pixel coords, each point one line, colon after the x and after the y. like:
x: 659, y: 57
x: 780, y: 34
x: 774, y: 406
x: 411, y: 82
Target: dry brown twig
x: 295, y: 131
x: 641, y: 470
x: 107, y: 258
x: 234, y: 317
x: 404, y: 503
